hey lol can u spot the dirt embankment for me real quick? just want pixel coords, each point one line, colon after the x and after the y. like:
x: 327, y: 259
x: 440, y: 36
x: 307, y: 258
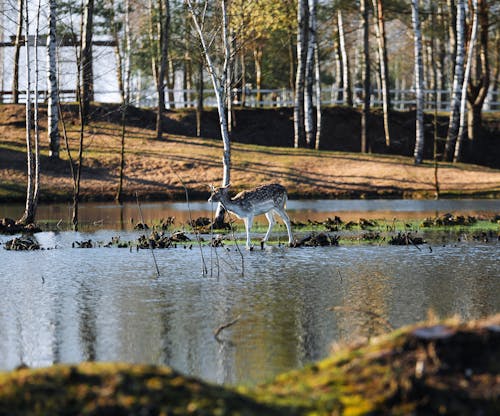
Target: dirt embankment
x: 261, y: 152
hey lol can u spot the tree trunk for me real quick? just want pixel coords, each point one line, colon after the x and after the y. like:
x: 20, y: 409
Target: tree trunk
x: 257, y: 56
x: 163, y: 28
x: 30, y: 207
x: 479, y: 84
x: 199, y: 100
x: 454, y: 122
x: 17, y: 51
x: 87, y: 87
x: 470, y: 55
x: 52, y: 105
x: 338, y: 68
x: 452, y: 34
x: 365, y: 141
x: 219, y: 90
x: 346, y: 76
x: 317, y: 83
x: 419, y: 84
x: 310, y: 76
x: 298, y: 110
x: 378, y: 7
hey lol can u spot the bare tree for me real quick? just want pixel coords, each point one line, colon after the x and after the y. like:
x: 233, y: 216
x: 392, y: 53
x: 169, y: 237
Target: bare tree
x: 17, y: 51
x: 219, y: 84
x: 462, y: 125
x: 52, y: 105
x: 419, y: 83
x: 479, y: 81
x: 163, y: 31
x: 346, y: 76
x: 32, y: 152
x: 458, y: 78
x: 378, y: 7
x: 86, y: 60
x: 312, y: 46
x: 365, y: 142
x: 298, y: 109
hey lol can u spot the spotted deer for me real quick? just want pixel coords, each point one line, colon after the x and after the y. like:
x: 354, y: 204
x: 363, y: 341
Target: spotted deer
x: 265, y: 199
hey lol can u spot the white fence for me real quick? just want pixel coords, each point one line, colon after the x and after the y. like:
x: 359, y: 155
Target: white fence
x: 401, y: 99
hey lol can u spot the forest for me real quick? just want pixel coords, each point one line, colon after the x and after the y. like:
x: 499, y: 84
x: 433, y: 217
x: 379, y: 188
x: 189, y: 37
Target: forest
x: 439, y: 57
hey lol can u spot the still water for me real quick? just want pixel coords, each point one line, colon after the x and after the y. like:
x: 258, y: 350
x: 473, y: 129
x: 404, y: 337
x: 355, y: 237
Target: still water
x: 105, y: 304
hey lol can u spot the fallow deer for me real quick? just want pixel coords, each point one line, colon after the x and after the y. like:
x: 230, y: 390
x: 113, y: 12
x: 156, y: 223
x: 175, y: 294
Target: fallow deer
x: 265, y: 199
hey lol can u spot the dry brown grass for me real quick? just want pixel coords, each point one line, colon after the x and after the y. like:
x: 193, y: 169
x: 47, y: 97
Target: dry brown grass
x: 150, y: 166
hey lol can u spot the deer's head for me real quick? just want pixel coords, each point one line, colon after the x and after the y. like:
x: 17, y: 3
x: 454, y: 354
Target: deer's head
x: 217, y: 194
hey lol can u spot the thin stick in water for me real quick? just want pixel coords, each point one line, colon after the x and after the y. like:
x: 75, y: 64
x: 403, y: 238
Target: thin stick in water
x: 150, y: 245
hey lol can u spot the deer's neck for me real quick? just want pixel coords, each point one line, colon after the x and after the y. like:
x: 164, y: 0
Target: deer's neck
x: 233, y: 206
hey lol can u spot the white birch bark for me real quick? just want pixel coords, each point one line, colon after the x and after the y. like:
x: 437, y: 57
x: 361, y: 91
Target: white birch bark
x: 28, y: 216
x: 298, y: 110
x: 384, y: 73
x: 87, y: 76
x: 454, y: 123
x: 419, y: 84
x: 52, y: 105
x: 365, y: 75
x: 346, y: 77
x: 309, y: 81
x: 463, y: 123
x: 219, y: 85
x: 317, y: 83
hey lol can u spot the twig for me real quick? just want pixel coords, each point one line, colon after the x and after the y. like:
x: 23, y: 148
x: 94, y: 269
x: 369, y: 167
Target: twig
x: 224, y: 326
x: 239, y: 250
x: 149, y: 240
x: 204, y: 270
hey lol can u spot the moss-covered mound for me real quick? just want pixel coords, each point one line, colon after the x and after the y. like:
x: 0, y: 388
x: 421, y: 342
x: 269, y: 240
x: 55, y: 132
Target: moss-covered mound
x: 448, y: 368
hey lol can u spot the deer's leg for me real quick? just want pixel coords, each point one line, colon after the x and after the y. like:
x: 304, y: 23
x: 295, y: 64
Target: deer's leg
x: 272, y: 221
x: 248, y: 226
x: 286, y: 219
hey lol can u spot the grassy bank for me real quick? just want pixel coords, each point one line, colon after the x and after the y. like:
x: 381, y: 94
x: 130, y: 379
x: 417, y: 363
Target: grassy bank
x: 432, y: 368
x: 153, y: 167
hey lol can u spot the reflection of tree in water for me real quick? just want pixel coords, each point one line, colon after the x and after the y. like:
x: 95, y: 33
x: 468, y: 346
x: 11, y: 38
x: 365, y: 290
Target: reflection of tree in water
x: 88, y: 295
x: 165, y: 314
x: 364, y: 312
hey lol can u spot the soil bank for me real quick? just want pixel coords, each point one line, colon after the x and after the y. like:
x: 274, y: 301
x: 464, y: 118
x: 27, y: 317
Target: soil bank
x: 261, y: 153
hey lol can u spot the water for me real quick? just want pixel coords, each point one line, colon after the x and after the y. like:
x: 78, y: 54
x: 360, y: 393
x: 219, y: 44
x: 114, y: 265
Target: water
x: 105, y: 304
x: 94, y: 216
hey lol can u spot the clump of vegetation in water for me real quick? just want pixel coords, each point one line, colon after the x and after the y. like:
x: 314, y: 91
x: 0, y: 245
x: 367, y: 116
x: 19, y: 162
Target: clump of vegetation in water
x: 449, y: 220
x: 28, y: 243
x: 433, y: 368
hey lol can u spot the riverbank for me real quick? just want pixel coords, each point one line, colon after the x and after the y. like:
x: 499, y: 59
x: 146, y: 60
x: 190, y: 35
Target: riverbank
x: 154, y: 168
x: 432, y: 368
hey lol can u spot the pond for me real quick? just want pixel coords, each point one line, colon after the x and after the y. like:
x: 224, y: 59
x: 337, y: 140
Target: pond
x: 287, y: 306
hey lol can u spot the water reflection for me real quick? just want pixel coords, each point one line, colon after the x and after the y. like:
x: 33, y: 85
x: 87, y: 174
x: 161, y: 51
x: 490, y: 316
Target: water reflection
x: 71, y: 305
x: 94, y: 216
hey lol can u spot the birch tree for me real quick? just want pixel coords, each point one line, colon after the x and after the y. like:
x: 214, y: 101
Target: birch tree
x: 479, y: 81
x: 32, y: 152
x: 470, y: 54
x: 52, y: 105
x: 219, y: 85
x: 454, y: 122
x: 419, y: 83
x: 298, y: 109
x: 378, y: 8
x: 346, y: 75
x: 365, y: 143
x: 86, y: 64
x: 17, y: 51
x: 310, y: 77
